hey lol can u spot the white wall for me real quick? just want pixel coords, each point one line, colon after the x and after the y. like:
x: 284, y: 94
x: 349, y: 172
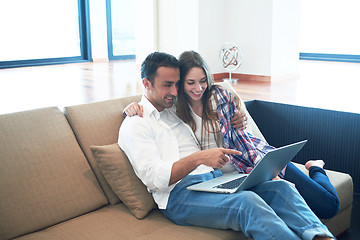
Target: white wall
x: 213, y: 31
x: 178, y: 26
x: 267, y: 31
x: 146, y: 28
x: 250, y: 29
x: 98, y: 30
x: 285, y: 38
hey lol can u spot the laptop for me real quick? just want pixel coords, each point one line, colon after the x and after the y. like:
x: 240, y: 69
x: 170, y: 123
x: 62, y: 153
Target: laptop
x: 267, y: 169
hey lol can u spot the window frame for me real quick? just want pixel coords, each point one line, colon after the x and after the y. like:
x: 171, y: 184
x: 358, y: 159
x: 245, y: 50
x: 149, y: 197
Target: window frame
x: 111, y: 56
x: 330, y: 57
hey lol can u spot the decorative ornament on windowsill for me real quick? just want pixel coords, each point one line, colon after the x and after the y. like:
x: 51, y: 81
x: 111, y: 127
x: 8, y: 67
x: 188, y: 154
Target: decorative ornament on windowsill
x: 230, y: 59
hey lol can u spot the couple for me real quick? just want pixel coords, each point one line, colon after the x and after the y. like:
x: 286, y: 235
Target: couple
x: 165, y: 154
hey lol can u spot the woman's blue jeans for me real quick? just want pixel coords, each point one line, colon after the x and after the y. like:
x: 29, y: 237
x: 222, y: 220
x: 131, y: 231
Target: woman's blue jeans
x: 272, y: 210
x: 317, y: 190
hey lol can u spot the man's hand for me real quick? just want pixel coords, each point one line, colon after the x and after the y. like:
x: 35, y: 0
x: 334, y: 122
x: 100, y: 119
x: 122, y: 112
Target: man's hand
x: 216, y: 157
x: 239, y: 120
x: 133, y: 109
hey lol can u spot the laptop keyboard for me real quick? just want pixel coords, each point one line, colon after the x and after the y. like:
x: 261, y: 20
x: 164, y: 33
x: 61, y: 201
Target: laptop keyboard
x: 231, y: 184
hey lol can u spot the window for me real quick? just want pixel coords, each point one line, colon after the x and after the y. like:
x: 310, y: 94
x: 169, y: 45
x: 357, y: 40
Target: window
x: 121, y: 29
x: 330, y: 30
x: 41, y: 32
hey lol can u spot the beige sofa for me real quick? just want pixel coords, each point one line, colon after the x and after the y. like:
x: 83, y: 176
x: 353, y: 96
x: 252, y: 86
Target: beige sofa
x: 52, y: 186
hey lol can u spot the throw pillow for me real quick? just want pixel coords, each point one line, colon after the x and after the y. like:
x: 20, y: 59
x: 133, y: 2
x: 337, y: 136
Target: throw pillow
x: 120, y: 175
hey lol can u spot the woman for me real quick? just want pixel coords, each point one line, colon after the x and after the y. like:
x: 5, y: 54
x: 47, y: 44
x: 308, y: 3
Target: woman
x: 208, y: 108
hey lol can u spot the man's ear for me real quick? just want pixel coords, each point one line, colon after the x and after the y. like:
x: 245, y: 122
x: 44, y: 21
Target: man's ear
x: 146, y: 83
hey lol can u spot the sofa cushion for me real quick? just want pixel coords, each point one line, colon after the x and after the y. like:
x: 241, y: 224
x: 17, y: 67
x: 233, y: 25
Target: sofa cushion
x: 116, y: 222
x: 44, y: 176
x: 119, y: 173
x: 97, y: 124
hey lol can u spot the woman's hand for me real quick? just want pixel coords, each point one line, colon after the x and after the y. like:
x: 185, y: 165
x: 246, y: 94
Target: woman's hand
x: 239, y: 120
x: 133, y: 109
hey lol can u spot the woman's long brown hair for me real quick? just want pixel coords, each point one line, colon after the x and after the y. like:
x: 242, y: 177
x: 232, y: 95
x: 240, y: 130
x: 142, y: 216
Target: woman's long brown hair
x: 210, y: 125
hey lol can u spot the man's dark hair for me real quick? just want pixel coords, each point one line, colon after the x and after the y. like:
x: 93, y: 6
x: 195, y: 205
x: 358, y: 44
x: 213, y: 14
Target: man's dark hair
x: 154, y: 61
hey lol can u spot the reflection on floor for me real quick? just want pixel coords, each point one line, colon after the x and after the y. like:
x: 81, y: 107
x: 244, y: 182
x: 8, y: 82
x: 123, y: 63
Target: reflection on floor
x: 326, y: 85
x: 64, y: 85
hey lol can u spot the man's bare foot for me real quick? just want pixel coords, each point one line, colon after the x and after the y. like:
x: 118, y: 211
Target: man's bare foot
x: 317, y: 163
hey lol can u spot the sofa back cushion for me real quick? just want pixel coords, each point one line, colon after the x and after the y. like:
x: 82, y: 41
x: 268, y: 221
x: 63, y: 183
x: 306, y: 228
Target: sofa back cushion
x: 98, y: 124
x: 44, y: 176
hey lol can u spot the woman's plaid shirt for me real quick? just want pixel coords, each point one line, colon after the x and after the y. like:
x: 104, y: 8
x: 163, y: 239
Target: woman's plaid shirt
x: 252, y: 148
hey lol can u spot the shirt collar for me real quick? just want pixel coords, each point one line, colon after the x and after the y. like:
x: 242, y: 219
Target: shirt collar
x: 149, y: 109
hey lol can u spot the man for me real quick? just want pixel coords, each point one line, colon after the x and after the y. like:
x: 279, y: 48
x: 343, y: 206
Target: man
x: 166, y: 156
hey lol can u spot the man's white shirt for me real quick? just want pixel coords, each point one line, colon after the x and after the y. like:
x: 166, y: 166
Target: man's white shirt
x: 153, y: 144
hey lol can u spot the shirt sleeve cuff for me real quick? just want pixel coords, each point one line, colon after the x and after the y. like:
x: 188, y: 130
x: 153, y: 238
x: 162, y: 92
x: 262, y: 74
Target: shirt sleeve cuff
x: 163, y: 175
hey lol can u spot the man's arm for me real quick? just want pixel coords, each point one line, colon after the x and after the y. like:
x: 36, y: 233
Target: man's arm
x: 215, y: 158
x: 239, y: 120
x: 137, y: 138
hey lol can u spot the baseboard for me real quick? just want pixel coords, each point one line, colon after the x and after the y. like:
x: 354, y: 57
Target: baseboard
x: 241, y: 77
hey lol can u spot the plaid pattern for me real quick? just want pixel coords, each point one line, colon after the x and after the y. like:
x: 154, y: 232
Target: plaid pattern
x: 252, y: 148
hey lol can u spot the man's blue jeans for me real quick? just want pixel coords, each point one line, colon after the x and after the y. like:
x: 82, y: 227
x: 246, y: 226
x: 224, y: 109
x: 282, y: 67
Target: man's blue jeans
x: 272, y: 210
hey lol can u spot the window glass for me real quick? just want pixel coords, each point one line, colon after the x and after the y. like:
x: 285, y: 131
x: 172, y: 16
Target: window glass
x: 330, y: 26
x: 39, y: 29
x: 123, y: 27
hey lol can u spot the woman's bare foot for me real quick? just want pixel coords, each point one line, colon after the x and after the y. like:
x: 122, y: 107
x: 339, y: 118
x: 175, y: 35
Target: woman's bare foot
x: 317, y: 163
